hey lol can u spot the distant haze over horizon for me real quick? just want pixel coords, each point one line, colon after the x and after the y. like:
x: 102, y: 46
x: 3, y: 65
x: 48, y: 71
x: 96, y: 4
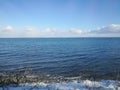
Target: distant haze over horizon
x: 59, y: 18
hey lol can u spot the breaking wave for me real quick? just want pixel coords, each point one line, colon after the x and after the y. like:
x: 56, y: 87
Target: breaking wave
x: 55, y: 83
x: 71, y: 85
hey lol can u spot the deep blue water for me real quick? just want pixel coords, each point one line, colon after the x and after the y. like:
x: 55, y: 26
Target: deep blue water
x: 69, y: 57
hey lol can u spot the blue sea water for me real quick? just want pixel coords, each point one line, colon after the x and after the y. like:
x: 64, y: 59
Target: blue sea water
x: 67, y: 57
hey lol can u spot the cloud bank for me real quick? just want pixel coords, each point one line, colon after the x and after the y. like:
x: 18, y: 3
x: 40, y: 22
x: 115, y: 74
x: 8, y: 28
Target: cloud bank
x: 7, y: 31
x: 112, y: 30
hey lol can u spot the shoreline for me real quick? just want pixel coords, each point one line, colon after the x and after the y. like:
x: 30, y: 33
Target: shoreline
x: 65, y: 85
x: 6, y: 80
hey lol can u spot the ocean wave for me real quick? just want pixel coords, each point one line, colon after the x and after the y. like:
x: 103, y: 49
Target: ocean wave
x: 32, y: 82
x: 71, y: 85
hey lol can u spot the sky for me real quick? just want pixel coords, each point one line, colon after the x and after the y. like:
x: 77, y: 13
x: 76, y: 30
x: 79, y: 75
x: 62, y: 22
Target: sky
x: 59, y: 18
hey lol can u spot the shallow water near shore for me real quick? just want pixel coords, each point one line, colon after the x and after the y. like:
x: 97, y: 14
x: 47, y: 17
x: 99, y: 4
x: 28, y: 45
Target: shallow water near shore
x: 93, y: 59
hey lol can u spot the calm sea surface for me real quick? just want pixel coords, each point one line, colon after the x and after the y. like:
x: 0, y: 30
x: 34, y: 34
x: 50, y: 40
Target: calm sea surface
x: 68, y: 57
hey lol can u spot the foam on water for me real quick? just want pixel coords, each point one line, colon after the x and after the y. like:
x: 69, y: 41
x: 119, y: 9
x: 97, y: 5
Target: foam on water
x: 72, y: 85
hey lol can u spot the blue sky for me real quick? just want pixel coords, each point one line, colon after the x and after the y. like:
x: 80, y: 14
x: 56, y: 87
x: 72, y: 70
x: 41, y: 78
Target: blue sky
x: 58, y: 16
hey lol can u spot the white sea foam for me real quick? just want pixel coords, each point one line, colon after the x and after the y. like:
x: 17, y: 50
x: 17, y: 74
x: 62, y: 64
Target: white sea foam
x: 72, y: 85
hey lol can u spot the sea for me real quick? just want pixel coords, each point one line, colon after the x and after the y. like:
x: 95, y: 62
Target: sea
x: 60, y: 63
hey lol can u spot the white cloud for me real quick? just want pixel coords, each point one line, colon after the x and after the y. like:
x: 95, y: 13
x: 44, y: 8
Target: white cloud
x: 33, y: 32
x: 7, y: 29
x: 76, y: 31
x: 112, y: 30
x: 48, y: 32
x: 30, y: 32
